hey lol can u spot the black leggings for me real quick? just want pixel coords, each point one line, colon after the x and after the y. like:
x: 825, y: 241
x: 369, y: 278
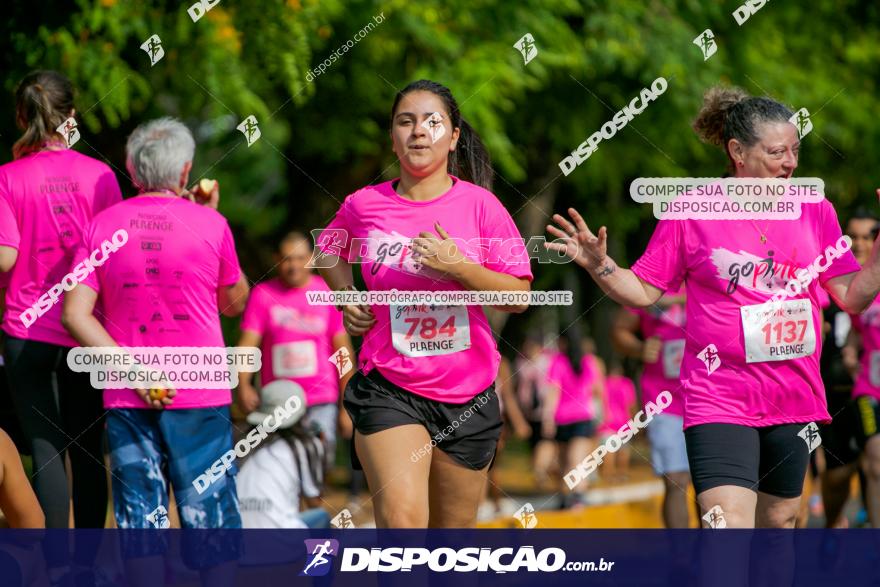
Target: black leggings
x: 771, y: 459
x: 60, y: 411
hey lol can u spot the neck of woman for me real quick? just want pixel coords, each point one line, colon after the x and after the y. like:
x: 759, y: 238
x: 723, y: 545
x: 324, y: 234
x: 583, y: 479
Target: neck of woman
x: 420, y: 189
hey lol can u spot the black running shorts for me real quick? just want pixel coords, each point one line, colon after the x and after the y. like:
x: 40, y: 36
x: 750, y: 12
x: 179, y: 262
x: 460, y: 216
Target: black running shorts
x: 467, y: 432
x: 771, y: 459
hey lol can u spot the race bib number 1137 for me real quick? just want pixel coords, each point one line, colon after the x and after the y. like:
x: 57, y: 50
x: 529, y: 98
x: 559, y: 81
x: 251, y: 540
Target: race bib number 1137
x: 778, y: 332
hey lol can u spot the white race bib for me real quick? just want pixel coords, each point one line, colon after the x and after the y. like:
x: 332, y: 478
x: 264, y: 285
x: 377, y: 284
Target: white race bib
x: 874, y: 365
x: 842, y: 326
x: 778, y: 331
x: 295, y: 359
x: 673, y: 353
x: 428, y: 330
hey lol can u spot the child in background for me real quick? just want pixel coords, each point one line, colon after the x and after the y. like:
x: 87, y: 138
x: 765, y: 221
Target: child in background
x: 284, y: 467
x: 619, y: 403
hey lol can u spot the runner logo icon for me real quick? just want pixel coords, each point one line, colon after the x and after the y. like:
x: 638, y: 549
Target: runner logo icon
x: 153, y: 48
x: 706, y: 42
x: 709, y: 356
x: 320, y: 556
x: 526, y: 516
x: 810, y: 434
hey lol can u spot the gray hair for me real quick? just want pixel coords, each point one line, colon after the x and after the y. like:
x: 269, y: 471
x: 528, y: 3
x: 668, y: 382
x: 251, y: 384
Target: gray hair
x: 157, y: 151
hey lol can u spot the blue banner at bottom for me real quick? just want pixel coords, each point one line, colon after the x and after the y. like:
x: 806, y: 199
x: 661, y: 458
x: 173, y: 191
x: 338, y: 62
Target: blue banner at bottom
x: 260, y: 558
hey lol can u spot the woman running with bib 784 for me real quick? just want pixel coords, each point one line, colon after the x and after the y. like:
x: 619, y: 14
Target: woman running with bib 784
x: 746, y: 403
x: 423, y: 405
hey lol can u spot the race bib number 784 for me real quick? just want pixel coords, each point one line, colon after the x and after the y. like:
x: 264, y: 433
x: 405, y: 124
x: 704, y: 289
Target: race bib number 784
x: 428, y: 330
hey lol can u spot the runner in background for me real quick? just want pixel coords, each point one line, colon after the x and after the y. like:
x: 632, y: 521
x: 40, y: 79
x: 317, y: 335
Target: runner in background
x: 165, y: 287
x: 576, y: 383
x: 47, y: 195
x: 661, y: 348
x: 861, y: 414
x: 839, y: 363
x: 619, y: 406
x: 531, y: 389
x: 296, y: 339
x: 427, y: 373
x: 748, y: 396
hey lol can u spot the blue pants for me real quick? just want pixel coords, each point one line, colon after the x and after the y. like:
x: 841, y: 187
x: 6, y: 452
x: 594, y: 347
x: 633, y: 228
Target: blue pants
x: 149, y: 448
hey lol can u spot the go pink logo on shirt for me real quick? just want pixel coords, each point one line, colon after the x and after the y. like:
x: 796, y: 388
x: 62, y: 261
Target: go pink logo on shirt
x: 83, y: 269
x: 751, y: 271
x: 393, y: 250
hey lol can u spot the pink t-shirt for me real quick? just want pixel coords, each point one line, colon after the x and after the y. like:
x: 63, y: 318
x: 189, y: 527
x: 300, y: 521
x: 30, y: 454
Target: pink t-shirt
x: 868, y: 325
x: 46, y: 198
x: 160, y: 288
x: 620, y: 395
x: 444, y: 353
x: 297, y: 338
x: 725, y: 267
x: 575, y: 391
x: 667, y: 325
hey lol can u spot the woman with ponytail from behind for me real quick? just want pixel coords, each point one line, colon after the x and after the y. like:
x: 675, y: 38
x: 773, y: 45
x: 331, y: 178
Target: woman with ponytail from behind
x: 47, y: 195
x: 750, y: 391
x: 423, y: 403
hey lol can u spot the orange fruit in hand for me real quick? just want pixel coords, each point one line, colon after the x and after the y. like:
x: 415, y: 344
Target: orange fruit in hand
x: 158, y: 393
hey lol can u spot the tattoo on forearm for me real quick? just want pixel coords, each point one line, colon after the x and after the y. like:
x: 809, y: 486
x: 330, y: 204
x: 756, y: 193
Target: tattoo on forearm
x: 608, y: 269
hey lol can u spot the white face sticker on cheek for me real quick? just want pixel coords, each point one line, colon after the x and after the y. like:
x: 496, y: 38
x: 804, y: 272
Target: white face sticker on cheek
x: 434, y: 125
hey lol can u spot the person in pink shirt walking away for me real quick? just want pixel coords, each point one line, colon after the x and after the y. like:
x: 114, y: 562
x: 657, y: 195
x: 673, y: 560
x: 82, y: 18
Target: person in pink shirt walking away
x: 165, y: 288
x: 47, y: 195
x: 423, y: 403
x: 751, y: 391
x: 576, y: 379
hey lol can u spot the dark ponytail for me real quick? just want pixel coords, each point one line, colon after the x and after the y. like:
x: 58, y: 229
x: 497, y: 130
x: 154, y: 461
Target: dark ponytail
x: 730, y: 113
x: 470, y: 161
x: 43, y: 100
x: 573, y: 352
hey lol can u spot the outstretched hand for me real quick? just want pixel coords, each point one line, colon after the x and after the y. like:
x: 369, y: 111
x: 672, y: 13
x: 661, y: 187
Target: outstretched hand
x: 577, y: 241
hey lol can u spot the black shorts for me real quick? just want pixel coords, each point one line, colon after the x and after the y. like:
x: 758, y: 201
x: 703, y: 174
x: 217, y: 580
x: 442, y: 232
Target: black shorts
x: 866, y: 414
x: 771, y: 459
x: 376, y: 404
x: 839, y: 442
x: 567, y: 432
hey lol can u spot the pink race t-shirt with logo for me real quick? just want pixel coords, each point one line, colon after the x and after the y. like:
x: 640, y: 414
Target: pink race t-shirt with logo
x: 768, y: 374
x: 620, y: 395
x: 868, y: 326
x: 669, y: 326
x: 575, y: 390
x: 444, y: 353
x: 46, y: 198
x: 160, y: 288
x: 297, y: 338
